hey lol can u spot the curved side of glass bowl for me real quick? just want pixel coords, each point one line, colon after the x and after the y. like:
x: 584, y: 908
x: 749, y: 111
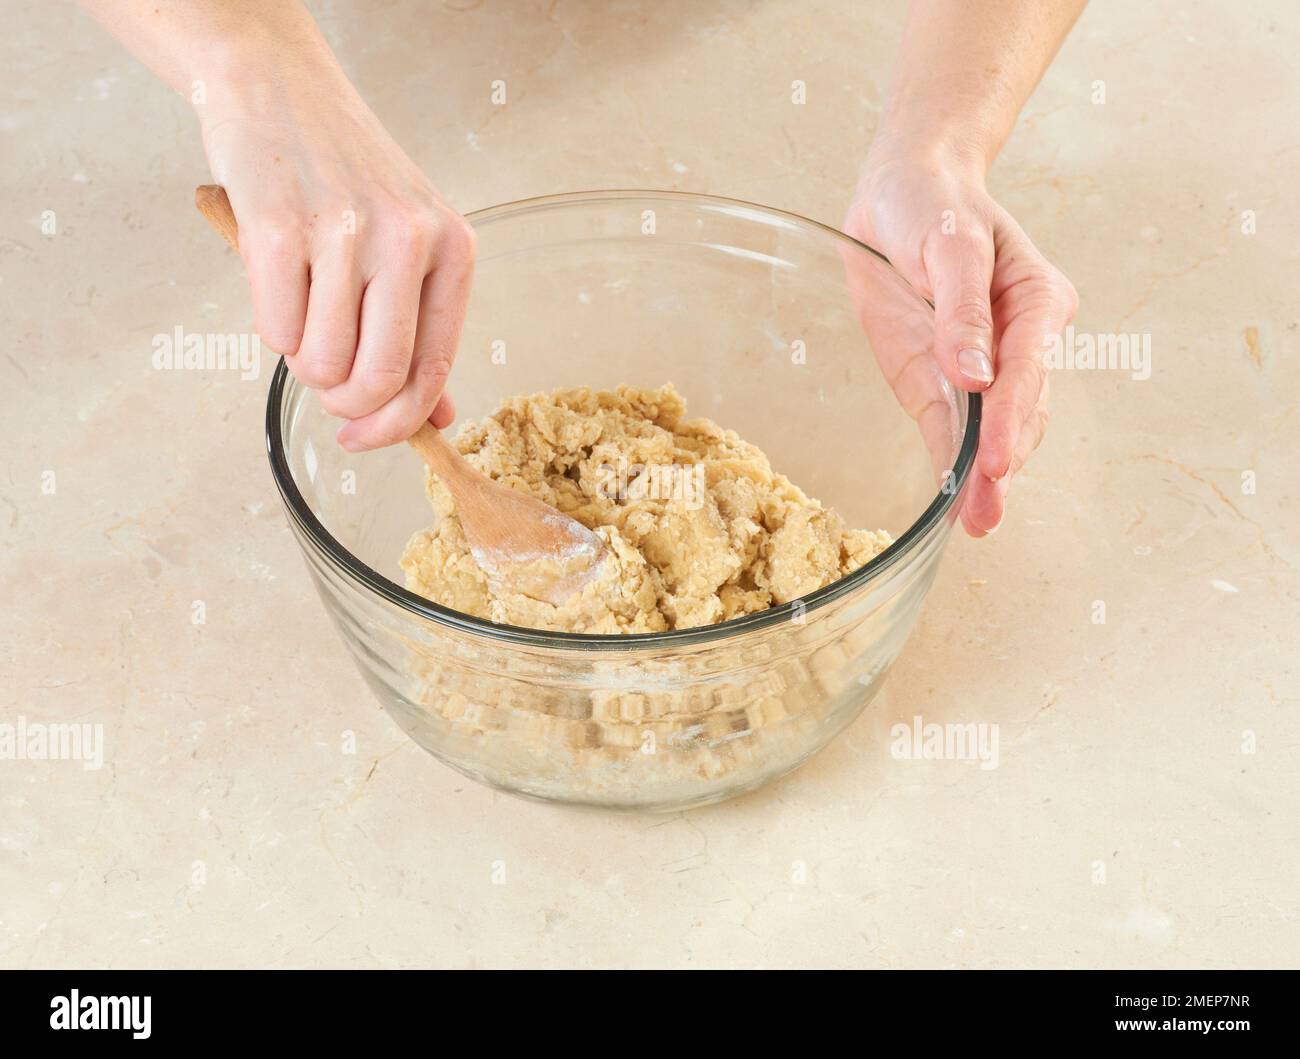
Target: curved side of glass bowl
x: 637, y: 729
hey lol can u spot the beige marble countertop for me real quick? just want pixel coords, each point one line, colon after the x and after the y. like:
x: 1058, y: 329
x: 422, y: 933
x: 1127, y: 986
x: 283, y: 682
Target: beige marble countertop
x: 1145, y: 810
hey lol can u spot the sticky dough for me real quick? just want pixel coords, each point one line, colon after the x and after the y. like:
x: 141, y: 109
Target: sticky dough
x: 699, y: 526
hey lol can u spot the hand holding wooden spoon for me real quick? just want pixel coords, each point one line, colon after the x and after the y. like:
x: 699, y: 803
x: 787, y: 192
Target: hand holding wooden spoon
x: 516, y: 539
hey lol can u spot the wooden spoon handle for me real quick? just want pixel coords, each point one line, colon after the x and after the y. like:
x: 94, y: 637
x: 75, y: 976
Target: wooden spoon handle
x: 215, y: 206
x: 442, y: 457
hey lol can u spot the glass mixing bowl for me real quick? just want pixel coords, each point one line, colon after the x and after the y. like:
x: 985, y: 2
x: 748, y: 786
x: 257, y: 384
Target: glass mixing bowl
x: 805, y: 342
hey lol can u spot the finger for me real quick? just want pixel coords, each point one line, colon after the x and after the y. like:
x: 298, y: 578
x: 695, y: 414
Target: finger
x: 1021, y: 387
x: 984, y: 504
x: 899, y: 326
x: 1033, y: 430
x: 275, y: 259
x: 444, y: 413
x: 442, y: 315
x: 960, y: 268
x: 390, y: 310
x: 985, y: 501
x: 329, y: 339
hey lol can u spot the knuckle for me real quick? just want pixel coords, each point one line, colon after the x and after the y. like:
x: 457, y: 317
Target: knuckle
x: 383, y: 379
x: 974, y: 312
x: 411, y: 236
x: 1053, y: 284
x: 432, y: 371
x: 321, y: 369
x: 459, y: 240
x: 1067, y: 294
x: 336, y: 245
x: 1026, y: 399
x: 275, y: 237
x: 972, y: 241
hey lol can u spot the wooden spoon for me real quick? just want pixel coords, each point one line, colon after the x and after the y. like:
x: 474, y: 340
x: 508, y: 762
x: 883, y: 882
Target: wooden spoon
x: 521, y: 543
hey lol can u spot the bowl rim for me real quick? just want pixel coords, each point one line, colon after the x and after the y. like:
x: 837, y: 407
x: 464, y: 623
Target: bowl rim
x: 355, y: 570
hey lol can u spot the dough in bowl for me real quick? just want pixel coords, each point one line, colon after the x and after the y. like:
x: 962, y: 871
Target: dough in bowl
x: 699, y: 526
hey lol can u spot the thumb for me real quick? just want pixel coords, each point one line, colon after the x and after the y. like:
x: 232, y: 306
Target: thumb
x: 960, y: 270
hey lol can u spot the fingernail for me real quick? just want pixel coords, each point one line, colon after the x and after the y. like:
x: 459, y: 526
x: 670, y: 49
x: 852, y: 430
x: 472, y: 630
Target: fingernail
x: 975, y: 364
x: 1000, y: 486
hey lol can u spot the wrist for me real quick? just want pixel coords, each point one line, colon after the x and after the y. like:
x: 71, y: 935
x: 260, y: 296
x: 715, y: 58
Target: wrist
x: 936, y: 149
x: 249, y: 76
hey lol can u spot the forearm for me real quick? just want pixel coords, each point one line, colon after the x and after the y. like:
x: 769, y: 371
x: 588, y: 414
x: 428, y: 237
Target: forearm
x: 216, y: 53
x: 965, y: 68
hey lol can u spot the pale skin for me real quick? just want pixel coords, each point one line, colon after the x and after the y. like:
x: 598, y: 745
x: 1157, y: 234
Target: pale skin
x: 964, y: 71
x: 360, y: 272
